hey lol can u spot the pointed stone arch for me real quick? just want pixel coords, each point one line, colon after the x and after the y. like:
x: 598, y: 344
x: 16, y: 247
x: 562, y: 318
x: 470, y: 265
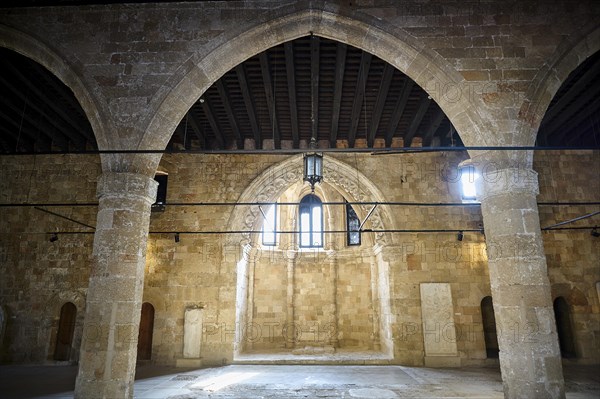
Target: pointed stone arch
x: 388, y: 42
x: 41, y: 53
x: 274, y: 181
x: 571, y: 53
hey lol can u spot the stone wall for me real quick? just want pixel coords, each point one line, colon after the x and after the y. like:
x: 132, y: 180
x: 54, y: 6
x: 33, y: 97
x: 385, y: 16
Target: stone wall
x: 573, y: 256
x: 39, y: 276
x: 493, y: 66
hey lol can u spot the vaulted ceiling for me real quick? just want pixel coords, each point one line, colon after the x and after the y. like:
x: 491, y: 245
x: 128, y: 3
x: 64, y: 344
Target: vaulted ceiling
x: 276, y: 100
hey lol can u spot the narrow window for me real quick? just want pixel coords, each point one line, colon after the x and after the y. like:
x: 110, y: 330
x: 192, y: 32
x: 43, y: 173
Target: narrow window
x: 311, y: 222
x: 353, y: 224
x: 468, y: 176
x: 66, y: 328
x: 269, y: 235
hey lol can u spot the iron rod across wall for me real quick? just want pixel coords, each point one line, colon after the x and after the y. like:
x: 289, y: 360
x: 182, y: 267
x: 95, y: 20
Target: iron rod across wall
x: 392, y: 203
x: 408, y: 231
x: 291, y: 151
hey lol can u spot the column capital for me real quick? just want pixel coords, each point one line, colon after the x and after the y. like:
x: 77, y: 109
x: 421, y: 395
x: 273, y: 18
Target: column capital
x: 512, y: 180
x: 115, y: 184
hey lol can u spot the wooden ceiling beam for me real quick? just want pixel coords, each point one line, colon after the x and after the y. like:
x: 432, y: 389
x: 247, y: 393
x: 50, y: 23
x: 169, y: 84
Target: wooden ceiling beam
x: 398, y: 111
x: 416, y: 121
x: 74, y: 136
x: 15, y: 142
x: 224, y: 94
x: 266, y: 75
x: 70, y: 98
x: 314, y: 85
x: 384, y: 86
x: 340, y: 68
x: 195, y: 125
x: 359, y: 94
x: 433, y: 126
x: 579, y: 87
x: 32, y: 136
x: 52, y: 104
x: 585, y: 126
x: 32, y: 129
x: 561, y: 125
x: 249, y: 103
x: 291, y: 81
x: 214, y: 124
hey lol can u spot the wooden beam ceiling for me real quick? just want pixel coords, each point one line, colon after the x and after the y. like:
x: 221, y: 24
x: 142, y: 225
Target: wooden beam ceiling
x: 312, y: 85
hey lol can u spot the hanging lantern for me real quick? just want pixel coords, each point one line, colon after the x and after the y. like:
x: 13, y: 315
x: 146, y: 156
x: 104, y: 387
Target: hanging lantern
x: 313, y: 169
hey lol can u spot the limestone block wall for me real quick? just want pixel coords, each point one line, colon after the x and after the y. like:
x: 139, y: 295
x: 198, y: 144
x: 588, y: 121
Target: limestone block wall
x: 356, y: 312
x: 196, y: 271
x: 39, y: 276
x: 269, y: 303
x: 314, y: 300
x: 504, y: 60
x: 573, y: 256
x: 304, y: 299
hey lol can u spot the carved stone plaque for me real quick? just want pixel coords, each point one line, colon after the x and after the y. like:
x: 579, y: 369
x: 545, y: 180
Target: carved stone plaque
x: 192, y: 333
x: 439, y: 333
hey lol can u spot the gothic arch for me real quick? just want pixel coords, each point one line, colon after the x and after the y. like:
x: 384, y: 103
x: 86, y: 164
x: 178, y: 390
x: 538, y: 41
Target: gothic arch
x: 274, y: 181
x: 41, y: 53
x: 571, y: 53
x: 388, y: 42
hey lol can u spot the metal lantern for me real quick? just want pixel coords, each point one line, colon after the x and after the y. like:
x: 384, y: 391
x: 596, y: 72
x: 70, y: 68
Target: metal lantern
x: 313, y: 169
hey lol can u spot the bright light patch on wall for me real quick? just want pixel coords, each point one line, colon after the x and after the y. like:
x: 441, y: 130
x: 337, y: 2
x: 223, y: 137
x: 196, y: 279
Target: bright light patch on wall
x: 270, y: 227
x: 316, y: 225
x: 305, y: 229
x: 468, y: 177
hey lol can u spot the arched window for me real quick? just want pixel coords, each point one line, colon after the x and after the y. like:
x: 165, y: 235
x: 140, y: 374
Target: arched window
x: 66, y: 328
x: 269, y: 235
x: 352, y: 225
x: 563, y: 328
x: 311, y: 222
x: 489, y: 327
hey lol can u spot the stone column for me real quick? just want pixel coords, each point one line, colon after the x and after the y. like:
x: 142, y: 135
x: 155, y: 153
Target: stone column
x: 530, y: 358
x: 114, y: 296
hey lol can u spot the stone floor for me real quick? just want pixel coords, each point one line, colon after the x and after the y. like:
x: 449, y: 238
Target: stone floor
x: 313, y: 356
x: 291, y: 381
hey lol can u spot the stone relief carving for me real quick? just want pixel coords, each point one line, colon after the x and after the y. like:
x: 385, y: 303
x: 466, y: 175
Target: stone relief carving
x: 277, y: 179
